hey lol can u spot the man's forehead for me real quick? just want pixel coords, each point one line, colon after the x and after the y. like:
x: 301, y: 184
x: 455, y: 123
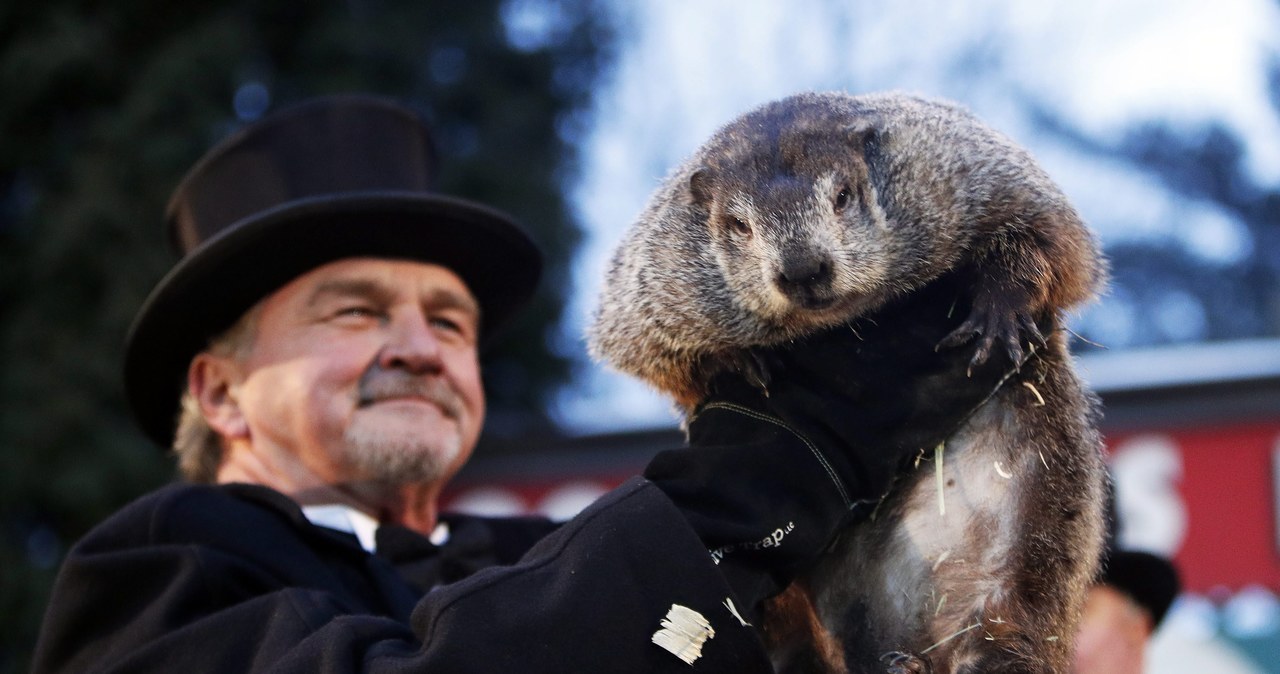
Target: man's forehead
x: 367, y: 275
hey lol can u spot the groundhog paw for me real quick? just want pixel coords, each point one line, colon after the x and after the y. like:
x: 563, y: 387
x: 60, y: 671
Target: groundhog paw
x: 991, y: 326
x: 752, y: 366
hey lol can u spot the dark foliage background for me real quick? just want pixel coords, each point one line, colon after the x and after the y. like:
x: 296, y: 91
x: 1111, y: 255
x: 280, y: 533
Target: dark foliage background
x: 103, y: 108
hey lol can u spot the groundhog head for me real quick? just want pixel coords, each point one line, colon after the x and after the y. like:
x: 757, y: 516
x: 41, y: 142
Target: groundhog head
x: 792, y: 214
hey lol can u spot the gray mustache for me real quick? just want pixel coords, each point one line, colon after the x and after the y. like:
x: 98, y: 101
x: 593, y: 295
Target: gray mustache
x: 379, y: 384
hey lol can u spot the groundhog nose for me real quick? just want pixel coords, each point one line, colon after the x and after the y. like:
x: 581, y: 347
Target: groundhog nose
x: 806, y: 281
x: 804, y: 273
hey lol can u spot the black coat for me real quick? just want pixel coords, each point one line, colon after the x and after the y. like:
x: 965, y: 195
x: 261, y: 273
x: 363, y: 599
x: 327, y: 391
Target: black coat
x: 234, y: 579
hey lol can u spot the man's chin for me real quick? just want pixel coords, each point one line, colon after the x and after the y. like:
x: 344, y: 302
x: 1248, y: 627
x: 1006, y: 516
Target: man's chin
x: 404, y: 453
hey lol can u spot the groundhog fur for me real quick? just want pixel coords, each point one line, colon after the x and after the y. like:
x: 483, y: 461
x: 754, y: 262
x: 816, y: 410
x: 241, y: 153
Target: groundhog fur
x: 925, y: 231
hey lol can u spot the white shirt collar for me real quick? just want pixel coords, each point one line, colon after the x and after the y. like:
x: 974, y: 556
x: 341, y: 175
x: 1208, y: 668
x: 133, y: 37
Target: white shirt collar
x: 348, y: 520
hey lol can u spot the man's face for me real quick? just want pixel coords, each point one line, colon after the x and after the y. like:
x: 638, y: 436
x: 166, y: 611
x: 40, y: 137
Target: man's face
x: 366, y: 370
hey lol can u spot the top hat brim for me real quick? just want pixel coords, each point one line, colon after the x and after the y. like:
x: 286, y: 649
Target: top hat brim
x: 1150, y: 580
x: 211, y: 288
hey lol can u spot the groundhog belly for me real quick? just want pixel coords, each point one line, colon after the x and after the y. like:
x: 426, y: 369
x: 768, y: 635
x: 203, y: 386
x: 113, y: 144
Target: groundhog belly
x: 931, y: 557
x: 971, y: 562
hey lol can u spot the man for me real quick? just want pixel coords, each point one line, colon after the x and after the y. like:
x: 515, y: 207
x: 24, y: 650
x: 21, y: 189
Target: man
x: 1124, y: 608
x: 319, y: 343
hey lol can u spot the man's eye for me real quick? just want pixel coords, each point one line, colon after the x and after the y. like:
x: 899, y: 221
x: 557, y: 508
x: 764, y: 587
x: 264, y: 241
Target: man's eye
x: 454, y: 326
x: 357, y: 311
x: 446, y: 324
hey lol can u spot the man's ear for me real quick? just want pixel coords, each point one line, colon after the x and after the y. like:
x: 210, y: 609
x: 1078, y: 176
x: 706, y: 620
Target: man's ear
x: 213, y: 381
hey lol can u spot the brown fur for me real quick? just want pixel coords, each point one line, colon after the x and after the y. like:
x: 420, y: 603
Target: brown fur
x: 815, y: 210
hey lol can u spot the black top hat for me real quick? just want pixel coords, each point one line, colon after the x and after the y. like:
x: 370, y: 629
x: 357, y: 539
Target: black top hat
x: 336, y: 177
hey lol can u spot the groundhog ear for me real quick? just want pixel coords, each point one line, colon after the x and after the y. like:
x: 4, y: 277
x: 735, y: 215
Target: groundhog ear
x: 701, y: 186
x: 863, y: 132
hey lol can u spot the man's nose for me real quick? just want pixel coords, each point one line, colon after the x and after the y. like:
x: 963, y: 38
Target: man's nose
x: 411, y: 345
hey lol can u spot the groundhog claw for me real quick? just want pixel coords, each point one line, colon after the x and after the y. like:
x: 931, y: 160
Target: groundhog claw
x: 905, y: 663
x: 754, y: 367
x: 757, y: 373
x: 1032, y: 330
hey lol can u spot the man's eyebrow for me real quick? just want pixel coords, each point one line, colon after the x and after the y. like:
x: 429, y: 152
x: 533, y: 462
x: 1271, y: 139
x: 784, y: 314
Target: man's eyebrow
x: 452, y: 299
x: 376, y: 290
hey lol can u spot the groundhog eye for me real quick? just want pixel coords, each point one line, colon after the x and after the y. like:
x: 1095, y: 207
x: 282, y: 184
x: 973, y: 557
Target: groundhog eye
x: 842, y: 199
x: 740, y: 225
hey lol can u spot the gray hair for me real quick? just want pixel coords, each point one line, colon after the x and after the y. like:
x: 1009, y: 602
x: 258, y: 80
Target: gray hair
x: 197, y: 446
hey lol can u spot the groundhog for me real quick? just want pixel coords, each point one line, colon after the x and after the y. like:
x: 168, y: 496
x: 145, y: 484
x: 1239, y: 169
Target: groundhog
x: 899, y: 216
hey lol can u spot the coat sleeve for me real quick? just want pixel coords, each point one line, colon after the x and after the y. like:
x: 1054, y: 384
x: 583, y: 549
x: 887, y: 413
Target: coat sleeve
x: 624, y: 587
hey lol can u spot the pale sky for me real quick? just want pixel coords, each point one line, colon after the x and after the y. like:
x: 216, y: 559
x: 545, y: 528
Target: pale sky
x: 1105, y: 66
